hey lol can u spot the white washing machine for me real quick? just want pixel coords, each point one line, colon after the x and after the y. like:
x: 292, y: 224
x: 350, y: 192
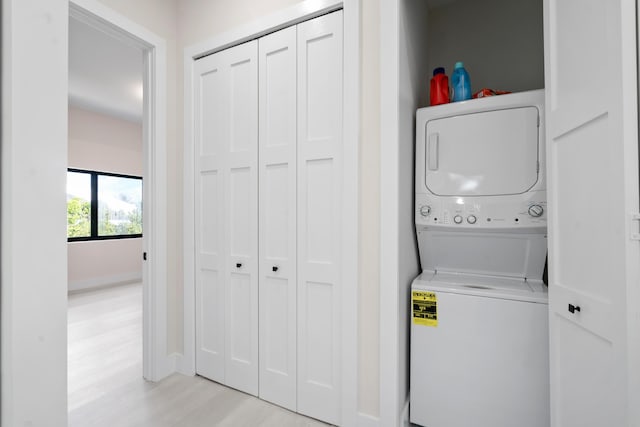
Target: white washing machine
x: 479, y: 326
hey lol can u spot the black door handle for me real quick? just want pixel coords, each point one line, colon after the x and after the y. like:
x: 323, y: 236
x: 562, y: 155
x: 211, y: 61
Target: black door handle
x: 274, y: 268
x: 238, y: 265
x: 574, y: 308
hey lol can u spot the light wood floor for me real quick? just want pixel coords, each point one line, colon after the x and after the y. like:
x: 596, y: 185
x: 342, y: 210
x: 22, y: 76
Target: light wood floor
x: 106, y: 388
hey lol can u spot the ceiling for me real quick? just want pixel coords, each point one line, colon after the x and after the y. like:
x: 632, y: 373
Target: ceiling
x: 105, y: 74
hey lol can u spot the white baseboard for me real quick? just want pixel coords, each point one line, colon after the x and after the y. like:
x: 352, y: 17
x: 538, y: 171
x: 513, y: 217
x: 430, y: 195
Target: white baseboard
x: 160, y: 368
x: 167, y: 366
x: 366, y: 420
x: 99, y: 282
x: 184, y: 366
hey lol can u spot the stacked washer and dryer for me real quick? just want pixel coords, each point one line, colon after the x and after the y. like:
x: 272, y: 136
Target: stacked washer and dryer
x: 479, y: 327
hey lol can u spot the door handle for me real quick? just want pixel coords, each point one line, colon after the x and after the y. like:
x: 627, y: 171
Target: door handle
x: 274, y: 268
x: 432, y: 151
x: 574, y: 308
x: 238, y: 265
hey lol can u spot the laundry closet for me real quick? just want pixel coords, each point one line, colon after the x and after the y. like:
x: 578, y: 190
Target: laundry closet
x: 479, y: 322
x: 268, y: 144
x: 583, y: 54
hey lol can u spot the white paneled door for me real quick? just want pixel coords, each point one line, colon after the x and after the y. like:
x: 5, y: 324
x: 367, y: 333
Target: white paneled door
x: 591, y: 75
x: 319, y: 209
x: 277, y: 226
x: 226, y: 105
x: 268, y: 129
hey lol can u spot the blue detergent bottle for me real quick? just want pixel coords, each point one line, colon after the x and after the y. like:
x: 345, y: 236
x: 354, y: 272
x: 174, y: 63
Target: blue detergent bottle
x: 460, y: 83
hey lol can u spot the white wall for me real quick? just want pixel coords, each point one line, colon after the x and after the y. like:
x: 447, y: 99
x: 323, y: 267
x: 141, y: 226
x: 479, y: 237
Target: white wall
x: 104, y: 144
x: 369, y: 217
x: 499, y: 41
x: 34, y: 264
x: 104, y: 262
x: 199, y: 20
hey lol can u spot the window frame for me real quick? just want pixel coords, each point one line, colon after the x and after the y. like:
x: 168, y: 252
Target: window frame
x: 93, y: 217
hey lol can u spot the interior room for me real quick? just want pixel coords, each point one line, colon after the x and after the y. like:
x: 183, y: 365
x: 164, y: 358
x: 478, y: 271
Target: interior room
x: 105, y: 135
x: 104, y: 264
x: 279, y: 152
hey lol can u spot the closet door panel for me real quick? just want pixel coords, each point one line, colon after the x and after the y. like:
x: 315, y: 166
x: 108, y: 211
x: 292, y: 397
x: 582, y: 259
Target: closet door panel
x: 240, y: 215
x: 319, y: 206
x: 210, y: 133
x: 592, y: 149
x: 239, y: 319
x: 244, y: 102
x: 321, y: 199
x: 239, y: 296
x: 241, y: 200
x: 277, y: 85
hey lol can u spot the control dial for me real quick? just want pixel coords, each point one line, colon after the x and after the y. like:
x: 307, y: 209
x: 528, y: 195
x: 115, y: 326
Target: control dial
x: 471, y: 219
x: 425, y: 210
x: 457, y: 219
x: 536, y: 211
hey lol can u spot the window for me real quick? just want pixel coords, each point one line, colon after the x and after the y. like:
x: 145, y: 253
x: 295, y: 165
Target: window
x: 103, y: 205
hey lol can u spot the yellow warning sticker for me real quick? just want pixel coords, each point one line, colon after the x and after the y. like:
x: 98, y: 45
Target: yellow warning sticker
x: 425, y: 308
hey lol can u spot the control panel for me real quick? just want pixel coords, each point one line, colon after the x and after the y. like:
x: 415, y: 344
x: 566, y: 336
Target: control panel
x: 521, y: 211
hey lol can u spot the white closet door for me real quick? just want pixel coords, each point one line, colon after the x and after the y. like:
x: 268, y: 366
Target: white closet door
x: 226, y: 217
x: 277, y: 277
x: 211, y: 134
x: 319, y: 226
x: 590, y: 68
x: 241, y: 201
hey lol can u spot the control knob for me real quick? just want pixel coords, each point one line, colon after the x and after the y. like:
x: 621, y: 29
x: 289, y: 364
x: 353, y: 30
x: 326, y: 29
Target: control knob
x: 457, y: 219
x: 471, y: 219
x: 536, y: 211
x: 425, y: 210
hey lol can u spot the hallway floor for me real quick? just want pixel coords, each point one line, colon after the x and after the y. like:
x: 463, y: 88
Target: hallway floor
x: 106, y: 388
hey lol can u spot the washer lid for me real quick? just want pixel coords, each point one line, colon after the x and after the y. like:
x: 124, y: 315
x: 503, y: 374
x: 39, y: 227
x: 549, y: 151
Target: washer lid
x: 486, y: 153
x: 482, y: 286
x: 507, y: 254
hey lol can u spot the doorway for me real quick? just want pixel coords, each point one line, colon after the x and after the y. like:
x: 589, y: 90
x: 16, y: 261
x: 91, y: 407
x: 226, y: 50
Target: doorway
x: 104, y: 210
x: 156, y: 362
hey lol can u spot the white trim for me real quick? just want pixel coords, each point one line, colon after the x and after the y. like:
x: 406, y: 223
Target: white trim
x: 186, y: 363
x: 631, y: 75
x: 290, y: 16
x: 157, y: 363
x: 99, y: 16
x: 104, y: 281
x: 350, y: 207
x: 366, y: 420
x: 389, y: 172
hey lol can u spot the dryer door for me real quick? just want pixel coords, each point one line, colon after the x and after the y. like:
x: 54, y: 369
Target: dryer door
x: 483, y: 154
